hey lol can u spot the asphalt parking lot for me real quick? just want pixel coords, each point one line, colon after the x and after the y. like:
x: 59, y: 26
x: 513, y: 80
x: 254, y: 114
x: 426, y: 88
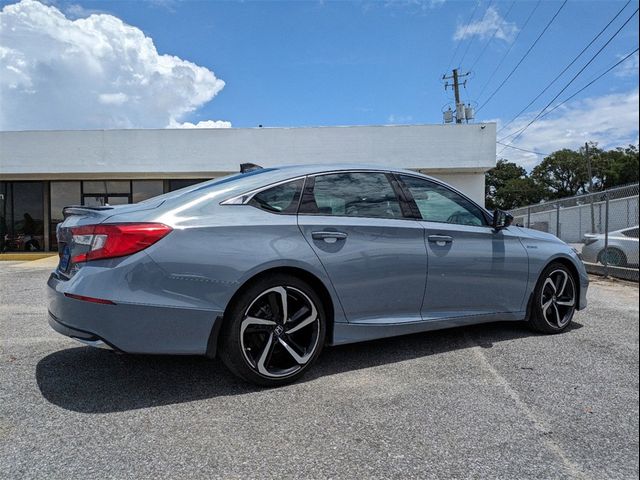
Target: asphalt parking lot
x: 491, y: 401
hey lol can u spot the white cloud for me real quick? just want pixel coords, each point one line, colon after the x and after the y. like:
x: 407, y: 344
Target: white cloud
x: 414, y: 4
x: 201, y: 124
x: 394, y: 119
x: 610, y: 120
x: 484, y: 28
x: 629, y: 68
x: 74, y: 11
x: 94, y: 72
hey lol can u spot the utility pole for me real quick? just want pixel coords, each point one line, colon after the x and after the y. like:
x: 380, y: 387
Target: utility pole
x: 460, y: 109
x: 590, y: 174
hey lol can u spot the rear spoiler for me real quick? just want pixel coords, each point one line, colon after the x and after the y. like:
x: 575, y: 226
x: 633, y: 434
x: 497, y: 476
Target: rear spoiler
x: 82, y: 210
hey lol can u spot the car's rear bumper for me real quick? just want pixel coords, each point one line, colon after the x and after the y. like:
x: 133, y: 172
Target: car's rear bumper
x: 80, y: 335
x: 131, y: 328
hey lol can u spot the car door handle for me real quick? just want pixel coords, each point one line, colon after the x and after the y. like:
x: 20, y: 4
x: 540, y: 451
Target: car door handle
x: 328, y: 235
x: 440, y: 238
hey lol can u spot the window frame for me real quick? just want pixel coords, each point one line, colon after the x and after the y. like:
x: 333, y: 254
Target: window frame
x: 408, y: 206
x: 487, y: 218
x: 405, y: 208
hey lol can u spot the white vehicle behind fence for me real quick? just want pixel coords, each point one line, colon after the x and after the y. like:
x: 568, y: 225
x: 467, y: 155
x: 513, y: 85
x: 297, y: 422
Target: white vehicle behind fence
x: 621, y: 251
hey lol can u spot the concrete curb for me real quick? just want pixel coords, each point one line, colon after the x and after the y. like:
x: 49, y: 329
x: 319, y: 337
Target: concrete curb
x: 617, y: 272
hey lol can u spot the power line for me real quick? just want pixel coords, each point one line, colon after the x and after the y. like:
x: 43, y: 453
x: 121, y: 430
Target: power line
x: 464, y: 55
x: 524, y: 56
x: 495, y: 70
x: 574, y: 77
x: 484, y: 49
x: 622, y: 60
x: 566, y: 68
x: 463, y: 35
x: 522, y: 150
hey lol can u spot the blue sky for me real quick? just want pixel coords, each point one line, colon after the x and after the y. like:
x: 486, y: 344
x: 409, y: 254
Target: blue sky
x: 380, y: 62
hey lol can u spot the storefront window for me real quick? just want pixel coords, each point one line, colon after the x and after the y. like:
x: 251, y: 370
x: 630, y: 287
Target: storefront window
x: 178, y: 184
x: 63, y: 194
x: 6, y: 213
x: 144, y: 189
x: 22, y: 222
x: 107, y: 186
x: 96, y: 193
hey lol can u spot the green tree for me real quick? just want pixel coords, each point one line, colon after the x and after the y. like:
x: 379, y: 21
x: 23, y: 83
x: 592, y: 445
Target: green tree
x: 615, y: 167
x: 507, y: 186
x: 561, y: 174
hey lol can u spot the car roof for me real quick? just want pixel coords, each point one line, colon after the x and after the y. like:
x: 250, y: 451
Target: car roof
x: 241, y: 183
x: 308, y: 169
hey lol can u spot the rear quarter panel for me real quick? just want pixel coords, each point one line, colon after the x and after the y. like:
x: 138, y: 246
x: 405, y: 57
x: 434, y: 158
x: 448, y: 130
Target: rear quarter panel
x: 215, y: 249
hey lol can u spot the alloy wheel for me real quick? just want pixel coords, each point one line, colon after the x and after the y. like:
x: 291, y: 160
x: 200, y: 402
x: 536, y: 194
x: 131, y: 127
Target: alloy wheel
x: 558, y: 299
x: 279, y: 332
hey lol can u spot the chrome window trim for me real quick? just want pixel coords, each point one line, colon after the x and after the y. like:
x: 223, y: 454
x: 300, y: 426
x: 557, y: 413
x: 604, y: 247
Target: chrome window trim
x: 246, y: 197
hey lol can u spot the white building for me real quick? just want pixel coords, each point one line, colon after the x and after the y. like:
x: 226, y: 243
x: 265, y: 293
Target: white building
x: 42, y: 171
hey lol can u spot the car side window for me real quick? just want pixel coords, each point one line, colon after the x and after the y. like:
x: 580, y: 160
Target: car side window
x: 439, y: 204
x: 632, y: 233
x: 283, y: 198
x: 351, y: 194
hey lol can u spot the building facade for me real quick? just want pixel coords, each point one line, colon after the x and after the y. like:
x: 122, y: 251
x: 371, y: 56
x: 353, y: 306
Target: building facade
x: 43, y: 171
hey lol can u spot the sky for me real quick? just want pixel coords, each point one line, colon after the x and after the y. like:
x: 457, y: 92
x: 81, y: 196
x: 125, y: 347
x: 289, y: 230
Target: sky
x: 185, y: 64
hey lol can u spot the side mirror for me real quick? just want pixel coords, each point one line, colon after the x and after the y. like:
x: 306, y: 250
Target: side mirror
x: 501, y: 219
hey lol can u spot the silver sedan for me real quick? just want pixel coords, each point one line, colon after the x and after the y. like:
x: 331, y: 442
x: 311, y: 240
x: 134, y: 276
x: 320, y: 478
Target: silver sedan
x: 266, y: 267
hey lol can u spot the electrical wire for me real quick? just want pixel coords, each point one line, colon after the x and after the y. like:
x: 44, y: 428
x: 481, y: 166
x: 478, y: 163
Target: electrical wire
x: 495, y: 32
x: 594, y: 80
x: 524, y: 56
x: 574, y: 77
x: 495, y: 70
x: 463, y: 35
x: 565, y: 68
x: 522, y: 149
x: 464, y: 55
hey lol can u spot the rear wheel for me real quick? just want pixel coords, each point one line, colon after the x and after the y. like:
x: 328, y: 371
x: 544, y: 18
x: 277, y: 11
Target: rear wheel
x: 554, y: 300
x: 613, y: 257
x: 273, y: 331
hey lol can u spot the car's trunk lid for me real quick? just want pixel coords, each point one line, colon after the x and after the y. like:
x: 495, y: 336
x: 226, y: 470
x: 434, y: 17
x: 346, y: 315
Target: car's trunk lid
x: 83, y: 215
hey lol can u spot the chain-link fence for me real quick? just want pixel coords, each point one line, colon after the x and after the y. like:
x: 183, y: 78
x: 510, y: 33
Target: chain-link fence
x: 602, y: 226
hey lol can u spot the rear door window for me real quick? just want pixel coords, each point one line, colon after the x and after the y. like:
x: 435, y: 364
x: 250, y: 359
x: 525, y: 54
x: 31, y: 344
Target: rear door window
x: 351, y: 194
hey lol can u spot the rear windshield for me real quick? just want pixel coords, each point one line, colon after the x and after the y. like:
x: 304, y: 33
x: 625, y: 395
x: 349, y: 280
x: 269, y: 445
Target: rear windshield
x: 208, y: 184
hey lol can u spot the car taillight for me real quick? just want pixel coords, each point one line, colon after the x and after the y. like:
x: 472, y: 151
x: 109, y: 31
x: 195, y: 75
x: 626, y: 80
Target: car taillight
x: 115, y: 240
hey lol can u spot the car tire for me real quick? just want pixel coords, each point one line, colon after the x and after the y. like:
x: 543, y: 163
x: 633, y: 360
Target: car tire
x: 554, y: 300
x: 615, y: 257
x: 273, y: 331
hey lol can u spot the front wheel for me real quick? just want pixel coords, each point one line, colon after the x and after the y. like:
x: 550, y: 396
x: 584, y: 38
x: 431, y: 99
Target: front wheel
x: 273, y: 331
x: 554, y: 300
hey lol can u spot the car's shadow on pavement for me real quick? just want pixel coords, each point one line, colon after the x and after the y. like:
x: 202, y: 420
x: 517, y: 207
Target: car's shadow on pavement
x: 90, y: 380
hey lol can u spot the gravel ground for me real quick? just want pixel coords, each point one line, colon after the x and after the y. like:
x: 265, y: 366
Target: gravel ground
x: 491, y: 401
